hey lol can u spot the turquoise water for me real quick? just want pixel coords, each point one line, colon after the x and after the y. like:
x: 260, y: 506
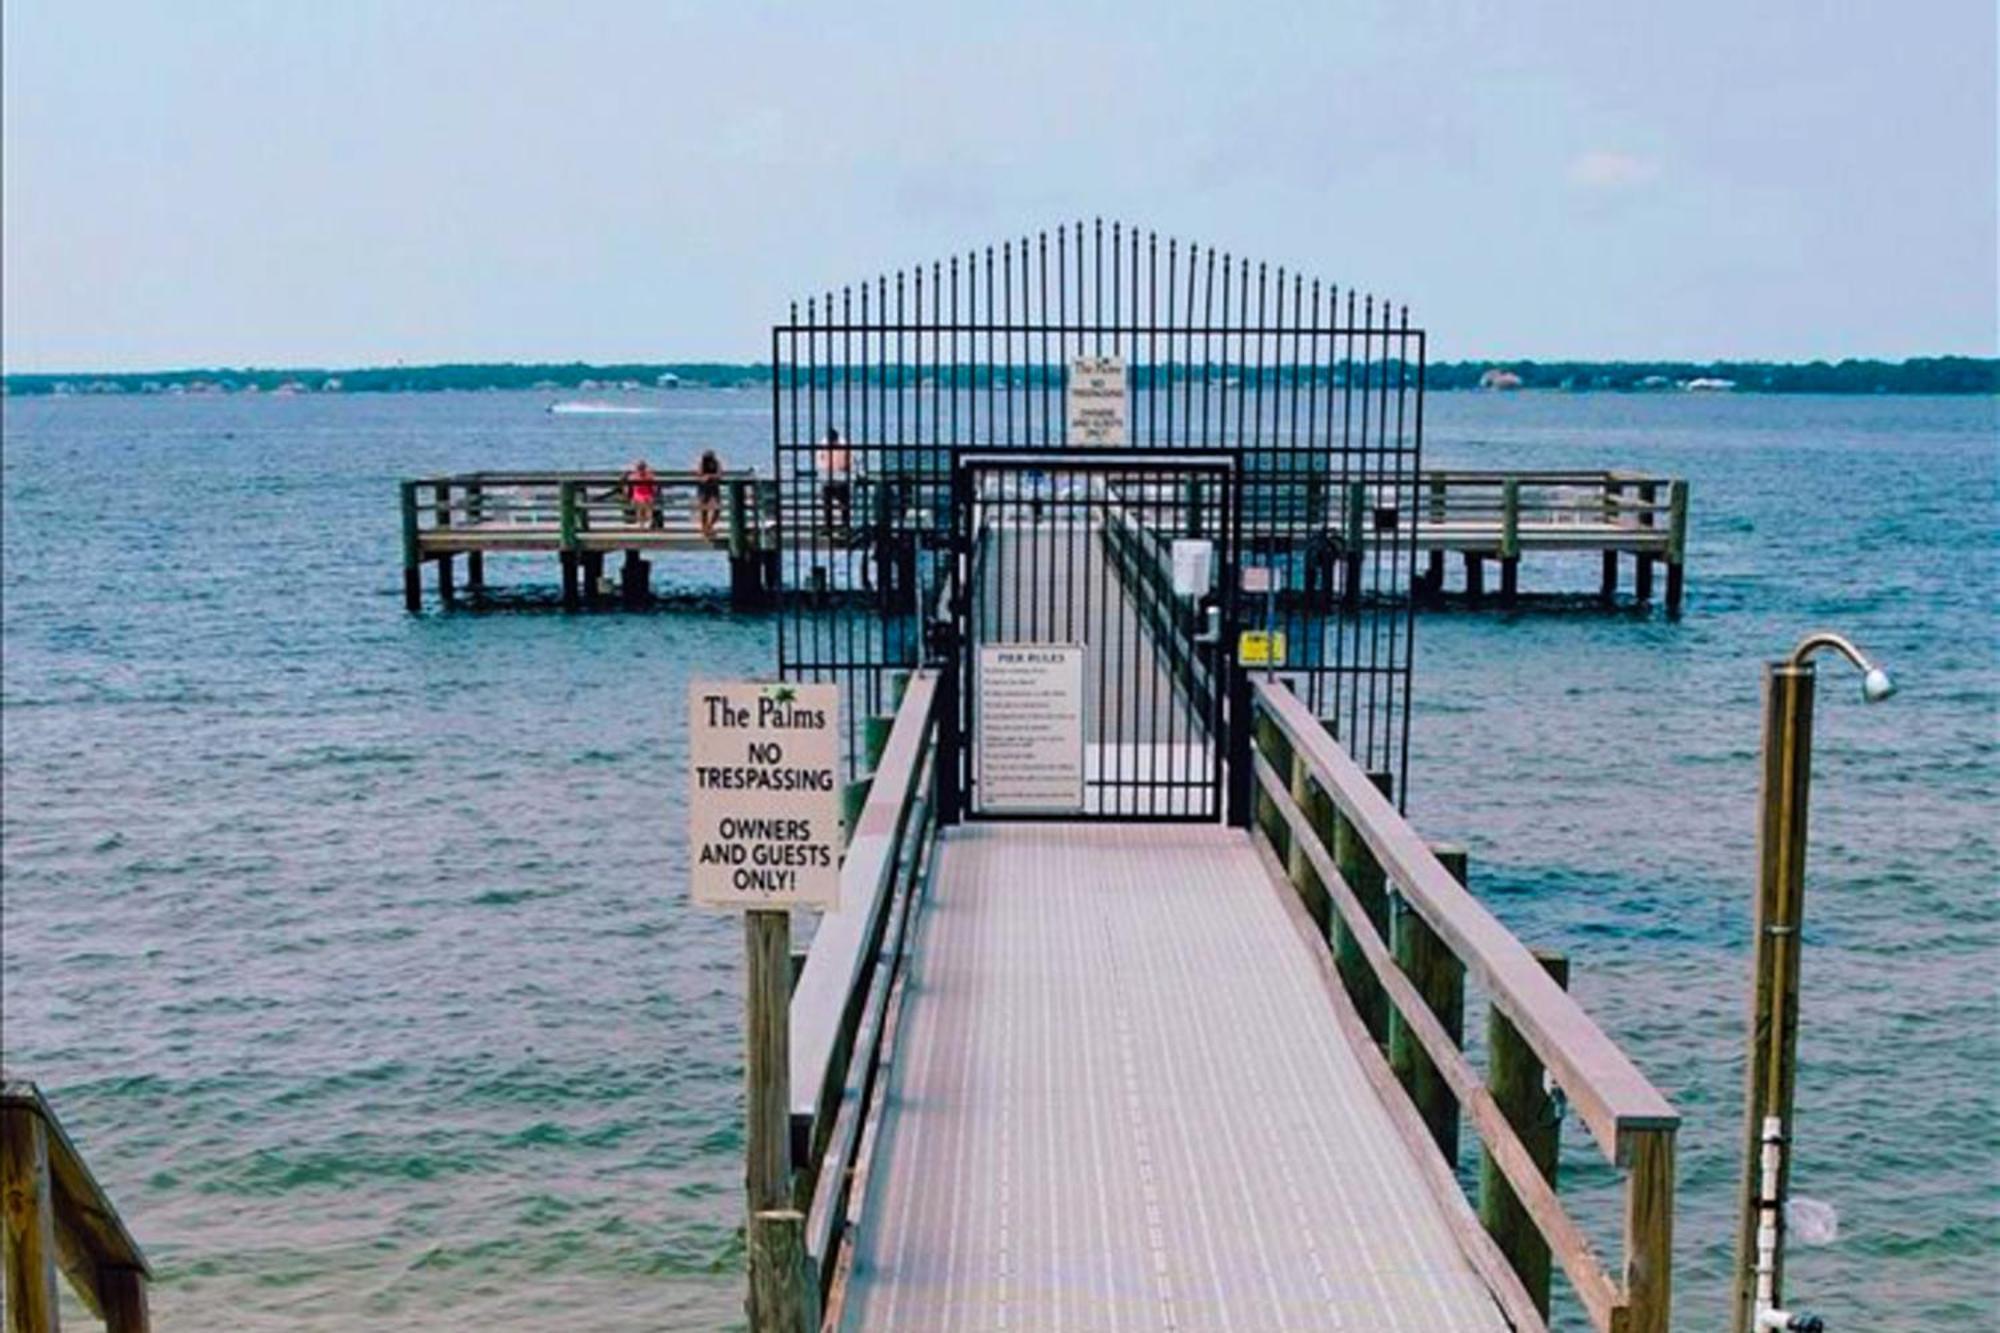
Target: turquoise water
x: 352, y: 946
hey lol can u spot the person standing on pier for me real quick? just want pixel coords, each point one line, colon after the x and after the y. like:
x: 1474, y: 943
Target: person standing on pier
x: 708, y: 493
x: 642, y: 494
x: 835, y: 465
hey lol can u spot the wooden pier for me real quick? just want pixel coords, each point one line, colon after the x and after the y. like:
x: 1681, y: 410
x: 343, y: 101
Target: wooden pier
x: 586, y: 519
x: 1104, y: 1074
x: 1498, y: 517
x: 583, y: 518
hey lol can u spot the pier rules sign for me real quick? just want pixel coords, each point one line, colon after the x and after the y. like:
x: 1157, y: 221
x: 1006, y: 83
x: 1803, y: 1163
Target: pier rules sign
x: 1029, y: 732
x: 1094, y: 401
x: 764, y: 794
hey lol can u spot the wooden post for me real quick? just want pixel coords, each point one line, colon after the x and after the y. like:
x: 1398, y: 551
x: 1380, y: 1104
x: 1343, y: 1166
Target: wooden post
x: 1357, y: 865
x: 1357, y: 508
x: 1318, y: 809
x: 568, y: 520
x: 767, y: 1060
x: 1775, y: 960
x: 441, y: 517
x: 635, y: 579
x: 1648, y: 1157
x: 475, y: 561
x: 122, y: 1293
x: 775, y: 1245
x: 1514, y: 1076
x: 1475, y: 575
x: 1439, y: 977
x: 29, y: 1222
x: 743, y: 590
x: 875, y: 731
x: 413, y: 577
x: 1614, y: 491
x: 764, y: 534
x: 1434, y: 575
x: 1510, y: 539
x: 571, y: 598
x: 1642, y: 571
x: 1677, y: 532
x: 593, y: 577
x: 1271, y: 744
x: 788, y: 1302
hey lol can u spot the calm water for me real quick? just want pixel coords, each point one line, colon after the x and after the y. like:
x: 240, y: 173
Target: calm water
x: 352, y: 946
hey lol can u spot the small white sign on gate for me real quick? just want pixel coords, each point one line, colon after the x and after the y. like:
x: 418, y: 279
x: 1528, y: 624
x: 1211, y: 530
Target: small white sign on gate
x: 1095, y: 400
x: 1193, y: 566
x: 1028, y: 735
x: 764, y: 794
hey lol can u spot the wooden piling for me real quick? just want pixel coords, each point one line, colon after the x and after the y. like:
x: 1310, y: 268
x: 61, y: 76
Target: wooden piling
x: 1356, y: 863
x: 743, y: 576
x: 29, y: 1206
x: 1475, y: 575
x: 1353, y: 534
x: 767, y: 937
x: 1514, y: 1077
x: 784, y: 1292
x: 1510, y: 539
x: 1642, y: 573
x: 441, y: 516
x: 635, y: 580
x: 475, y: 561
x: 1439, y: 977
x: 569, y: 526
x: 777, y: 1254
x: 1677, y: 521
x: 1607, y: 588
x: 413, y: 569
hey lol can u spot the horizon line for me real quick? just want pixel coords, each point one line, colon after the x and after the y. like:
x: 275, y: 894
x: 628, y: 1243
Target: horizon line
x: 412, y: 367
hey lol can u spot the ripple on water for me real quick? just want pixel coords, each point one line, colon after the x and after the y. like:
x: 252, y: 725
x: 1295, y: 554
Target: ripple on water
x: 351, y: 946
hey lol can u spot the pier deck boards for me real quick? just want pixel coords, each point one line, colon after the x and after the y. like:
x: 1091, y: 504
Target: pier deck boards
x: 1119, y: 1100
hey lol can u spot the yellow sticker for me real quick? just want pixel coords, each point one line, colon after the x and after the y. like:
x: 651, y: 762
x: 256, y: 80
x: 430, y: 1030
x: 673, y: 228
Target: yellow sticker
x: 1256, y: 647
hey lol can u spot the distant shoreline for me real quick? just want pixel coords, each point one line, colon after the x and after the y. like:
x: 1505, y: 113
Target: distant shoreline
x: 1919, y: 375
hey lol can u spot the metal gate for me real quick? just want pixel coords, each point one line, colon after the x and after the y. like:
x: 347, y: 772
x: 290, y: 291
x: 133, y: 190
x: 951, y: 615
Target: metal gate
x: 1316, y: 392
x: 1093, y: 586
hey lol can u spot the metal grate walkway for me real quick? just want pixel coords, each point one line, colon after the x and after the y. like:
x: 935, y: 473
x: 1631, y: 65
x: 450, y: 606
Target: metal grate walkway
x: 1118, y: 1101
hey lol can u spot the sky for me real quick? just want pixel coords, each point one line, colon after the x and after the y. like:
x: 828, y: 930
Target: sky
x: 380, y: 181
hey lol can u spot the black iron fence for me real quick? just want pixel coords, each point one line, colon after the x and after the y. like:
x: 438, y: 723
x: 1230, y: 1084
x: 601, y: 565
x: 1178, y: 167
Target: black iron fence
x: 1317, y: 390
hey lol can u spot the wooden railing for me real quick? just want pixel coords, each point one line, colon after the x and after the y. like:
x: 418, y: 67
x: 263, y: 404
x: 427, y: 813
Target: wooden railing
x: 576, y: 503
x: 1406, y: 934
x: 843, y: 1016
x: 58, y: 1216
x: 1627, y: 499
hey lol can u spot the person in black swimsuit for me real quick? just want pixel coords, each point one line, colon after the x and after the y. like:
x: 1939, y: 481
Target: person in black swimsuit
x: 708, y: 493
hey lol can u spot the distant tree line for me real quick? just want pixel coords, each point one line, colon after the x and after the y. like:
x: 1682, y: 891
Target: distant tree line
x: 1919, y: 375
x: 1931, y: 374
